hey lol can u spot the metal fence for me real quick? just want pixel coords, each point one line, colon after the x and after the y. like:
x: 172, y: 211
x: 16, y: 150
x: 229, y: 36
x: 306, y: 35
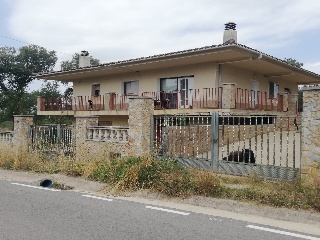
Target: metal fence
x: 53, y: 139
x: 260, y: 145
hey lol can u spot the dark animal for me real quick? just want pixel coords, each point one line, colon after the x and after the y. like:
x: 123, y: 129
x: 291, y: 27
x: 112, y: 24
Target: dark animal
x: 90, y: 103
x: 246, y: 156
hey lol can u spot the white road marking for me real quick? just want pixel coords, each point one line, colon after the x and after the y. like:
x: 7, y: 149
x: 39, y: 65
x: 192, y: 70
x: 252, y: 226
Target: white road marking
x: 167, y: 210
x: 42, y: 188
x: 283, y: 232
x: 99, y: 198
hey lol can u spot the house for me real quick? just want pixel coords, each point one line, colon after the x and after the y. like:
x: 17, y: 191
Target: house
x: 228, y: 77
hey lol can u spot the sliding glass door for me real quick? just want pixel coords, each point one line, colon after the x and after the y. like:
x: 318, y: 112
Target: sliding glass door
x: 177, y: 91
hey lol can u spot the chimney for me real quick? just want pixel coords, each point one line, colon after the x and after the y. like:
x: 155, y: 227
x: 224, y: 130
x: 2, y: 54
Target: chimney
x: 230, y: 33
x: 84, y: 59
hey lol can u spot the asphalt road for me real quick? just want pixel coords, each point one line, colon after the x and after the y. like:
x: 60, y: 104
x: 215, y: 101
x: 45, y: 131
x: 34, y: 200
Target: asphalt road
x: 29, y: 212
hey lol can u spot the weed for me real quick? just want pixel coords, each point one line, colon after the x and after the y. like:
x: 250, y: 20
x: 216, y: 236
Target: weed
x: 165, y: 176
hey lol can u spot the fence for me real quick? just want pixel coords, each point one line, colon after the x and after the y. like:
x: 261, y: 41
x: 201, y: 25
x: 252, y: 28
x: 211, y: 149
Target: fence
x: 52, y: 139
x: 267, y: 146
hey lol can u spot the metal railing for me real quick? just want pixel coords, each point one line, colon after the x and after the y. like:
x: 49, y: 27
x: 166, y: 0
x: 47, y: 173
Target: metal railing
x: 52, y: 138
x: 262, y: 145
x: 205, y: 98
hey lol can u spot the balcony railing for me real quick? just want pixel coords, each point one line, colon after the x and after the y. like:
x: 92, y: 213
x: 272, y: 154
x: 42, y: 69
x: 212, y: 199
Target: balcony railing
x: 206, y: 98
x: 249, y: 99
x: 191, y: 98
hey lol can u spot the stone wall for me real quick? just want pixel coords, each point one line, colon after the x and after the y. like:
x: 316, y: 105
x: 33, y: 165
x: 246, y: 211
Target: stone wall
x: 311, y: 136
x: 20, y: 130
x: 141, y: 110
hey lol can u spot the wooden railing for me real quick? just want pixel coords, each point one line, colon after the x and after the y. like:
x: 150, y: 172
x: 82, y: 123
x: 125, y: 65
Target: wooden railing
x: 191, y: 98
x: 249, y: 99
x: 107, y: 134
x: 205, y: 98
x: 55, y: 104
x: 86, y: 103
x: 6, y: 136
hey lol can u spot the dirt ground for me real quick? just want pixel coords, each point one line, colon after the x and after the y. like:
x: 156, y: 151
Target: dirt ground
x: 303, y: 221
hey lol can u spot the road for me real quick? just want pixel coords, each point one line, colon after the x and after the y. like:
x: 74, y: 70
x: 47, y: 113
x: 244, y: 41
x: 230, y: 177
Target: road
x: 30, y: 212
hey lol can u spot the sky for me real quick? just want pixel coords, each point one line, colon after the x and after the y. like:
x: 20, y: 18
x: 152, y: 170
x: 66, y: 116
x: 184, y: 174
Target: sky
x: 113, y: 30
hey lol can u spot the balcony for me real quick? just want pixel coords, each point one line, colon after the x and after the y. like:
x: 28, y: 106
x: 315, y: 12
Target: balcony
x: 225, y: 97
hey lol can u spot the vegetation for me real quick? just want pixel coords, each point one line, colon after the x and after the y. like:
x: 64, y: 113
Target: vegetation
x: 17, y: 69
x: 168, y: 178
x: 74, y: 62
x: 293, y: 62
x: 300, y: 101
x: 16, y: 73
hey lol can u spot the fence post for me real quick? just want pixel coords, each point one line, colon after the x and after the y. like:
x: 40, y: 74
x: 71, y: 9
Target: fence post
x: 215, y: 141
x: 310, y: 127
x: 82, y: 122
x: 58, y: 138
x: 141, y: 110
x: 21, y: 129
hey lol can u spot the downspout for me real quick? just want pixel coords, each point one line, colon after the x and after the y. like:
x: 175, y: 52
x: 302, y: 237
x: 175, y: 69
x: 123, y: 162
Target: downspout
x: 219, y: 75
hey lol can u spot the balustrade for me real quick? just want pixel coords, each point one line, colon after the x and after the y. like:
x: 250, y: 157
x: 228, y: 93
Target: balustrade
x: 107, y: 134
x: 6, y: 136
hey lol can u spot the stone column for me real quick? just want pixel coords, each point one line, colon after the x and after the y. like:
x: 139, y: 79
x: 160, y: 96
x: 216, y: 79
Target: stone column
x: 82, y: 122
x: 40, y: 104
x: 293, y: 103
x: 228, y: 95
x: 21, y: 128
x: 310, y: 159
x: 285, y: 106
x: 109, y: 99
x: 141, y: 110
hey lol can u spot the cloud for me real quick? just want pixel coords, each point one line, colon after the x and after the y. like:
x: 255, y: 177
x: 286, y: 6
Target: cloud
x: 313, y: 67
x: 116, y: 30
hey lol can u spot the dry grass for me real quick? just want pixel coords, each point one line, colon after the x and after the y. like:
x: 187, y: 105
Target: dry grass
x: 166, y: 177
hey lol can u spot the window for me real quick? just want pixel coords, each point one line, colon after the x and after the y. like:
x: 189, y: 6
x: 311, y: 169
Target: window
x: 177, y: 91
x: 131, y: 87
x: 273, y: 89
x: 95, y: 89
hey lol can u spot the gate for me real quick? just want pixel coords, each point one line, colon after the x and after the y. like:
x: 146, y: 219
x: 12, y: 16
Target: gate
x: 266, y: 146
x: 52, y: 139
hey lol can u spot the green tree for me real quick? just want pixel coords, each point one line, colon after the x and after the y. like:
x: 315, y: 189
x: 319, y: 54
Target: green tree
x: 16, y: 73
x: 293, y: 62
x: 300, y: 101
x: 74, y: 62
